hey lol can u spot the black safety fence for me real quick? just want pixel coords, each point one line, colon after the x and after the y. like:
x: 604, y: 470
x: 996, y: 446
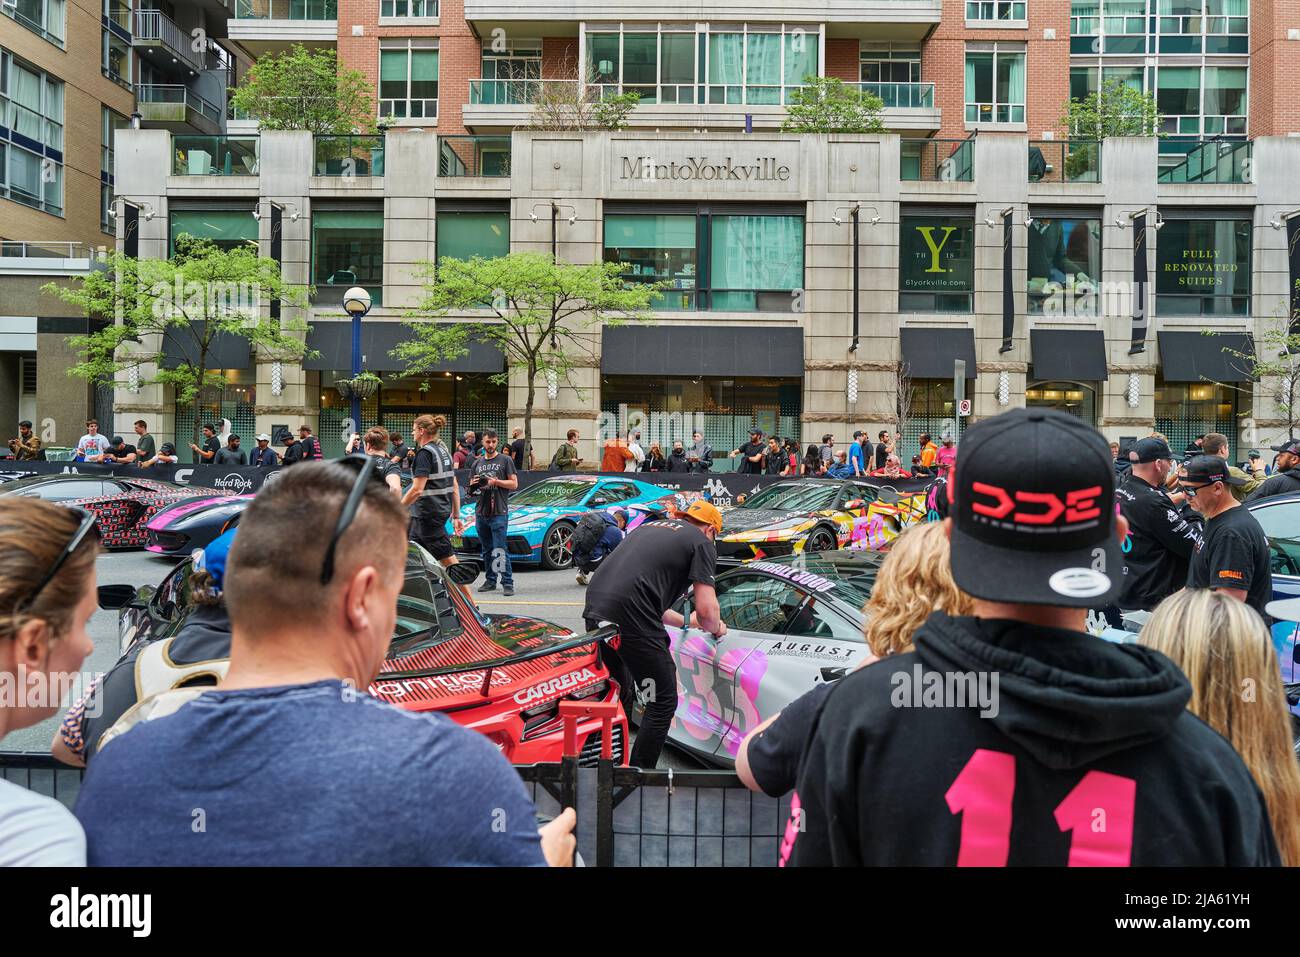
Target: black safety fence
x: 720, y: 487
x: 627, y: 817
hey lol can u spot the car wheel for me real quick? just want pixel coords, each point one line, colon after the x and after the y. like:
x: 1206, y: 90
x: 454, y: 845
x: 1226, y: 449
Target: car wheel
x: 822, y: 539
x: 555, y: 546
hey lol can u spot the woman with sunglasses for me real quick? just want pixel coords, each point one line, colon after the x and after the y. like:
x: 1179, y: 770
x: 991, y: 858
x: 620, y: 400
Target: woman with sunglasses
x: 47, y: 595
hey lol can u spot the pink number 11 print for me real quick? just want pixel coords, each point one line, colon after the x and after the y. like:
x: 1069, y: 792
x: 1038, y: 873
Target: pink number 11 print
x: 1098, y: 813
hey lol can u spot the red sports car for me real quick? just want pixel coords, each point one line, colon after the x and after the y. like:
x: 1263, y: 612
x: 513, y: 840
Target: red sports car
x: 501, y: 675
x: 123, y: 505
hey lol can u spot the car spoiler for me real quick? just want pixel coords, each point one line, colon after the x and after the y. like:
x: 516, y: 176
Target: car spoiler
x: 577, y: 641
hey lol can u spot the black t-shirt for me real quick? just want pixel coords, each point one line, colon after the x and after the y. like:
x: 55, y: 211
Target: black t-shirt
x: 903, y: 768
x: 492, y: 501
x: 1234, y: 554
x: 293, y: 453
x: 121, y: 452
x: 882, y: 455
x: 748, y: 449
x: 647, y: 573
x: 1160, y: 544
x: 430, y: 463
x: 398, y: 451
x: 517, y: 453
x: 210, y: 444
x: 774, y: 753
x: 776, y: 461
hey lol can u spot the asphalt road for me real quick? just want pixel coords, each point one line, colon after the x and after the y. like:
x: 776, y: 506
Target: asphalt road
x: 554, y: 596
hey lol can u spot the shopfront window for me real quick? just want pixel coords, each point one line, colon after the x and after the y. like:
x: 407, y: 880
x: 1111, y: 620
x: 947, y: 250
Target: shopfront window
x: 225, y: 228
x: 932, y: 412
x: 466, y: 234
x: 1185, y: 410
x: 735, y: 262
x: 936, y: 263
x: 234, y: 401
x: 1078, y: 399
x: 995, y: 83
x: 347, y: 249
x: 1064, y: 266
x: 1203, y: 267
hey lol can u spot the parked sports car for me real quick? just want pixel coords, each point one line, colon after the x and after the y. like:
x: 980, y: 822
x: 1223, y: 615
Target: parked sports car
x: 543, y: 515
x: 123, y: 505
x: 501, y: 675
x: 815, y: 515
x: 792, y: 623
x: 192, y: 523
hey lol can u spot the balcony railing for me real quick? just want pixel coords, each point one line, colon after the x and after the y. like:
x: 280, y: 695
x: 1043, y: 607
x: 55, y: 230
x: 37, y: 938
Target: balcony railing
x: 902, y: 95
x: 21, y: 249
x: 932, y: 160
x: 504, y: 92
x: 1212, y: 162
x: 178, y: 95
x: 1064, y: 161
x: 473, y: 156
x: 348, y: 156
x: 214, y: 155
x: 154, y: 26
x: 286, y: 10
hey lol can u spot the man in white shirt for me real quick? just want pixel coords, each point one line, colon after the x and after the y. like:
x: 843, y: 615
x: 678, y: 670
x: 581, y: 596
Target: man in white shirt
x: 638, y: 454
x: 91, y: 446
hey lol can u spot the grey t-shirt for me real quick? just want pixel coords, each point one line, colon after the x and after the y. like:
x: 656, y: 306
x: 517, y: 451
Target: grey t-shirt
x: 144, y: 447
x: 37, y: 831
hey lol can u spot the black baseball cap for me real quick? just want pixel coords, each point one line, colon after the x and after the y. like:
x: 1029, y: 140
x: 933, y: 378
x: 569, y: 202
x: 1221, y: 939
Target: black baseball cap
x: 1150, y: 449
x: 116, y: 440
x: 167, y: 449
x: 1203, y: 469
x: 756, y: 431
x: 1033, y: 511
x: 1290, y: 445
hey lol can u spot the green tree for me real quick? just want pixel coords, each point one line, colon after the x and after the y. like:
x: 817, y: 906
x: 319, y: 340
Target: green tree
x: 826, y: 104
x: 303, y: 89
x: 561, y: 105
x: 1117, y: 109
x: 180, y: 308
x: 1276, y: 367
x: 543, y: 314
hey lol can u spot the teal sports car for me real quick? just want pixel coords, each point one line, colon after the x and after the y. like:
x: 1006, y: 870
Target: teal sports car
x: 543, y: 515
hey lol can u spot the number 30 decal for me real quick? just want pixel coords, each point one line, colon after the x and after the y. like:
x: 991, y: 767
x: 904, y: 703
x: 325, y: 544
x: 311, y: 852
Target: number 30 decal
x: 1098, y: 813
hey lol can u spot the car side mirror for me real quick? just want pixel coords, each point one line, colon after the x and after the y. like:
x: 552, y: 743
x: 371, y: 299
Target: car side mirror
x: 113, y: 597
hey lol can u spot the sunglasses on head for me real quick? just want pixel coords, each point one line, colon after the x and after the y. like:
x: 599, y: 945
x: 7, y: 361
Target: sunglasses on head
x: 79, y: 536
x: 365, y: 469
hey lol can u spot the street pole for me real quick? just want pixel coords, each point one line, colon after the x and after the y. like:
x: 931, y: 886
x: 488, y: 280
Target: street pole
x: 555, y: 212
x: 854, y: 346
x: 356, y: 369
x: 958, y: 395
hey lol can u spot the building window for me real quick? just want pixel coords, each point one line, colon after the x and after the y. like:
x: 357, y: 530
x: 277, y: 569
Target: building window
x: 408, y: 79
x: 45, y: 18
x: 31, y: 135
x: 1185, y: 410
x: 1203, y: 267
x: 466, y: 234
x: 936, y: 263
x: 110, y: 123
x: 116, y: 51
x: 1073, y: 398
x: 932, y: 412
x: 1064, y: 265
x: 995, y: 85
x: 995, y: 10
x: 225, y: 228
x: 740, y: 65
x: 721, y: 260
x: 1137, y: 27
x: 508, y: 76
x: 887, y: 63
x: 408, y: 8
x: 347, y: 249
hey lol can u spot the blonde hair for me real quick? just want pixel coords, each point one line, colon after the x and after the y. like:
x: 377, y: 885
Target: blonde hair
x: 1224, y: 648
x: 33, y: 534
x: 914, y: 580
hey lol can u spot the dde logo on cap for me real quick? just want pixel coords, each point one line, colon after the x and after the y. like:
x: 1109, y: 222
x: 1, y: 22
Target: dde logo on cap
x: 1033, y: 508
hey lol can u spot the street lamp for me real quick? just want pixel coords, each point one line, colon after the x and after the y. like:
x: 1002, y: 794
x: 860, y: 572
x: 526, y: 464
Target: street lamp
x: 356, y: 303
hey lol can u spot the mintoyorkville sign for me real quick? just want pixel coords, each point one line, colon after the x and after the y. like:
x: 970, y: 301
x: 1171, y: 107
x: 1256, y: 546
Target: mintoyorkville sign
x: 761, y: 169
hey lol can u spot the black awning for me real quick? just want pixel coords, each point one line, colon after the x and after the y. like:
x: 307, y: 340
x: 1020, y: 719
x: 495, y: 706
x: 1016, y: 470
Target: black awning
x: 930, y: 352
x: 224, y: 352
x: 1073, y: 355
x: 1197, y: 357
x: 678, y: 350
x: 333, y: 340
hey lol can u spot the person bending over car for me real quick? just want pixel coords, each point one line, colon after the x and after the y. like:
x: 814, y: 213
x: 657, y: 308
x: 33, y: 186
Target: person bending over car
x: 592, y: 544
x: 230, y: 779
x: 637, y: 586
x: 1076, y: 731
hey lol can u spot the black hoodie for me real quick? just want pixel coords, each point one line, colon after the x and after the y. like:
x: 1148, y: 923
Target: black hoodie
x: 1087, y: 755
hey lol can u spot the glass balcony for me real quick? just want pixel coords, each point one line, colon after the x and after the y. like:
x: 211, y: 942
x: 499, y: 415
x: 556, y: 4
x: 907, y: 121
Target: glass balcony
x: 933, y: 160
x: 214, y: 155
x: 160, y: 95
x: 473, y: 156
x: 349, y: 156
x: 902, y: 95
x: 503, y: 92
x: 286, y: 10
x: 1064, y: 161
x: 1212, y: 162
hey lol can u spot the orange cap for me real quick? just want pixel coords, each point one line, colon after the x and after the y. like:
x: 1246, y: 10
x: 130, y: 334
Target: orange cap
x: 705, y: 513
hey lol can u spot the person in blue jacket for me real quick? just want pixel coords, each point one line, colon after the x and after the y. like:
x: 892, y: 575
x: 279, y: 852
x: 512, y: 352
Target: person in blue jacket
x: 608, y: 541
